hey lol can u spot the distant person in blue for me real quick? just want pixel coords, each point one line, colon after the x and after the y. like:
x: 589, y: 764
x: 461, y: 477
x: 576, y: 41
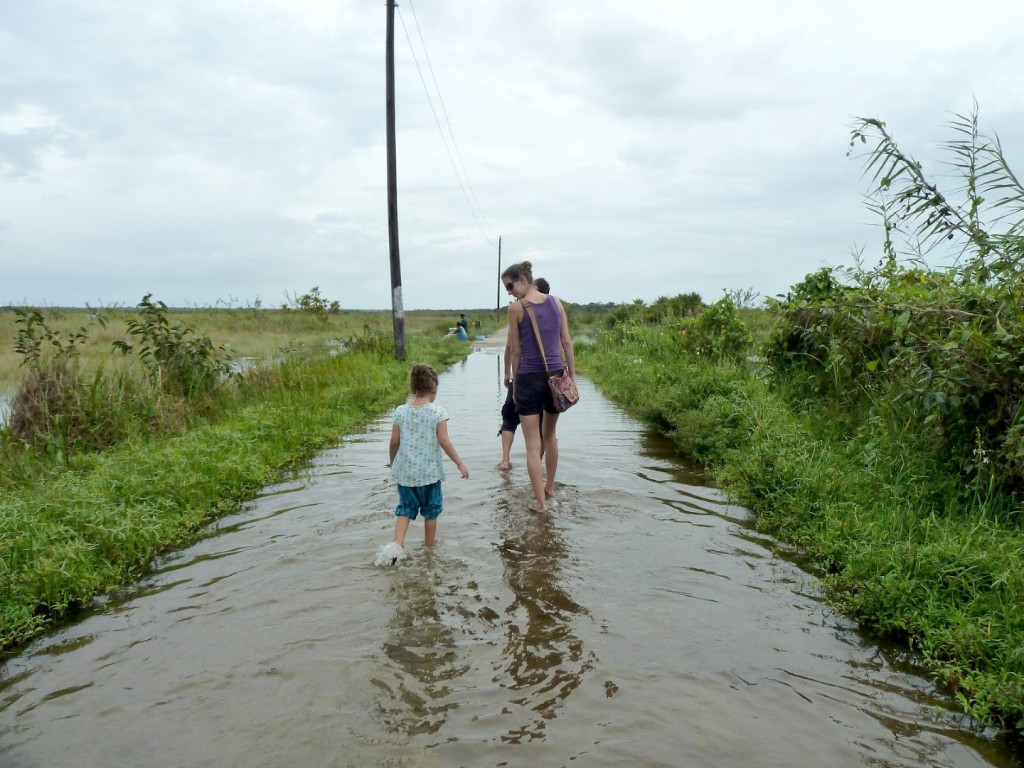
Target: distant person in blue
x: 419, y: 435
x: 531, y: 392
x: 509, y: 415
x: 460, y: 333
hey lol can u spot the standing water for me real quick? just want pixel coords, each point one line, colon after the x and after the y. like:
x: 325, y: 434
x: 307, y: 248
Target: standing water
x: 645, y: 623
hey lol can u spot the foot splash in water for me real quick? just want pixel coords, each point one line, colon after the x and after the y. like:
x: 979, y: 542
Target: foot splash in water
x: 389, y: 554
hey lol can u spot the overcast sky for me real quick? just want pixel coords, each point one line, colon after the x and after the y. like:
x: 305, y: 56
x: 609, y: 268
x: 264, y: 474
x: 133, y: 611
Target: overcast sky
x: 228, y: 151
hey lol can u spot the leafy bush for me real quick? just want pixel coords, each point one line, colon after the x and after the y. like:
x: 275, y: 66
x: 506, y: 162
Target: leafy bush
x: 939, y: 350
x: 177, y: 359
x: 717, y: 333
x: 313, y: 303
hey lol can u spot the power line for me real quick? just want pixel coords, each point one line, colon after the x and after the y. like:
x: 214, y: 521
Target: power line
x: 437, y: 121
x: 444, y: 111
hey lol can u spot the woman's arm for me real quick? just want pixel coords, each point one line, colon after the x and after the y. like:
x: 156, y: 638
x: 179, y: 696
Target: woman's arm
x: 507, y: 379
x: 566, y: 339
x: 515, y: 344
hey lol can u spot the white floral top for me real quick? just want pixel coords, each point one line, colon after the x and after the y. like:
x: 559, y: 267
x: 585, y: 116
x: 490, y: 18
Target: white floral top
x: 420, y: 460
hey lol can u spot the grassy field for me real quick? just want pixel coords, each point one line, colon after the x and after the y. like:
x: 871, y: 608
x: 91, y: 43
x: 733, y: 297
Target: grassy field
x: 84, y: 510
x: 260, y: 335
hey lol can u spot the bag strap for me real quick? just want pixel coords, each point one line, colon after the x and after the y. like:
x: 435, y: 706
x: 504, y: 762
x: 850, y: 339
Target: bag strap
x: 536, y: 332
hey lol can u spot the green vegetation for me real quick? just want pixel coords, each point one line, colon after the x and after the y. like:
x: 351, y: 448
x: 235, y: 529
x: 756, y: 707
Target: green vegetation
x: 110, y: 457
x: 873, y: 417
x: 247, y: 334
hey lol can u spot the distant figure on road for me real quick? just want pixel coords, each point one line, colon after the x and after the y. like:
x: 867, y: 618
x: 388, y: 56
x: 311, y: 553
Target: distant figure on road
x: 530, y: 370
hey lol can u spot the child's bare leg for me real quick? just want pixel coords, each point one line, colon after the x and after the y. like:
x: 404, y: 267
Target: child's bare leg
x: 401, y: 528
x: 531, y: 435
x: 550, y: 451
x: 429, y: 531
x: 506, y: 448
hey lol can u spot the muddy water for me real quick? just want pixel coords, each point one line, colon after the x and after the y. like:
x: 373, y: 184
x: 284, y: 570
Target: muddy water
x: 643, y: 624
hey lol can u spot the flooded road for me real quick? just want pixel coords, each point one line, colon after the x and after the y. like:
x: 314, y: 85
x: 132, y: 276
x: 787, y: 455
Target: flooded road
x: 643, y: 624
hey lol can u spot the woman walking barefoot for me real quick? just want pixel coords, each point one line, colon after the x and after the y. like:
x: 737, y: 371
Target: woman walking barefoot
x: 530, y: 386
x: 509, y: 415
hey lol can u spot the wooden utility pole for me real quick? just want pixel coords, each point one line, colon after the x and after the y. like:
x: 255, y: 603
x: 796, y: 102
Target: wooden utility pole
x: 397, y: 311
x: 497, y: 304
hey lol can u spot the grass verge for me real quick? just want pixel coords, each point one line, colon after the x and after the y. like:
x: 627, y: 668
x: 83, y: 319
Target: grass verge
x: 900, y: 544
x: 84, y: 529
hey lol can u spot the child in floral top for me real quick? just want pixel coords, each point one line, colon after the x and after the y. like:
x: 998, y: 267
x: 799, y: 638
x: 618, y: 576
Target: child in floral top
x: 419, y: 434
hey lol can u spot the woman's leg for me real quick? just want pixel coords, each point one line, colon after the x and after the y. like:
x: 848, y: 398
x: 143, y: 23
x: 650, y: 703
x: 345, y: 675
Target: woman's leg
x: 550, y: 452
x: 531, y: 436
x: 542, y: 434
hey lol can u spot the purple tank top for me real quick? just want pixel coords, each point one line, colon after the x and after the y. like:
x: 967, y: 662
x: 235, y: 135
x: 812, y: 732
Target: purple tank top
x: 549, y: 320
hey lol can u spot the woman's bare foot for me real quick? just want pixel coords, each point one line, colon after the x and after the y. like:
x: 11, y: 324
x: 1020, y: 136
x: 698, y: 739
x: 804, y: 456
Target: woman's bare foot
x: 505, y: 466
x: 538, y: 509
x: 549, y: 493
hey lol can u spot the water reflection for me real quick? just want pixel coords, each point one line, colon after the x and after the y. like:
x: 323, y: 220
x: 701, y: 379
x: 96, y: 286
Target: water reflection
x: 421, y: 645
x: 543, y: 658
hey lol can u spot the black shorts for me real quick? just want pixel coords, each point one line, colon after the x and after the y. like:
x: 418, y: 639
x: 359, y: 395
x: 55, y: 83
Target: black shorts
x: 532, y: 393
x: 509, y: 415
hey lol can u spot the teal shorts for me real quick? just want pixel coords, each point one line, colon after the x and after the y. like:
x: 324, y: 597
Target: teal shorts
x: 423, y: 500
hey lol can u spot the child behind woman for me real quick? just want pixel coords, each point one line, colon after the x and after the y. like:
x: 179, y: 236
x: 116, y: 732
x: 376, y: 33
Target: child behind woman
x: 419, y: 434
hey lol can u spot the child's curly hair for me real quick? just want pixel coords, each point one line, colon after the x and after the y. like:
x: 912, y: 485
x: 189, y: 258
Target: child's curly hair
x: 422, y: 379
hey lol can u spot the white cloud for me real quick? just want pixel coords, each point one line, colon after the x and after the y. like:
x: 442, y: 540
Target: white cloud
x: 206, y: 150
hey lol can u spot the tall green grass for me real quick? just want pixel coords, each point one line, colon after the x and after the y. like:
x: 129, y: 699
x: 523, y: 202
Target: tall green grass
x: 262, y: 335
x: 70, y: 531
x: 901, y: 542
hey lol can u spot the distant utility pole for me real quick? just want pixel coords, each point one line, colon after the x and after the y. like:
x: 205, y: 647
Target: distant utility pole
x: 397, y: 312
x: 497, y: 304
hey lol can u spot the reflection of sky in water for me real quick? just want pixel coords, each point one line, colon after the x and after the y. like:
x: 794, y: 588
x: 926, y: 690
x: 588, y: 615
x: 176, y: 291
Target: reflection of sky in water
x: 5, y: 408
x: 331, y: 348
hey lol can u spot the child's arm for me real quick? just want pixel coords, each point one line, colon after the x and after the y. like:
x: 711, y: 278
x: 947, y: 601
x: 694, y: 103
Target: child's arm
x: 396, y: 440
x: 446, y: 445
